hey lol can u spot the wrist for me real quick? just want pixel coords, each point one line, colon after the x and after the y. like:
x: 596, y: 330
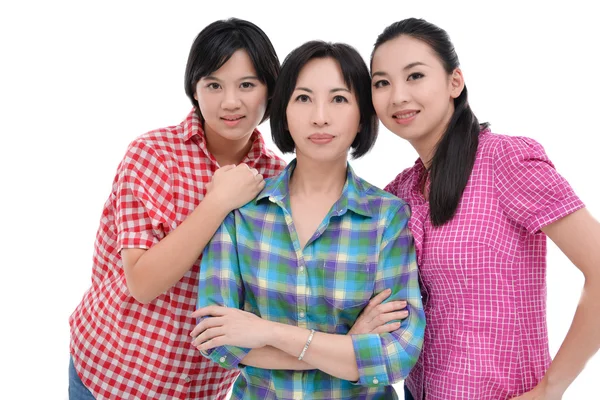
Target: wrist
x: 217, y: 203
x: 552, y: 387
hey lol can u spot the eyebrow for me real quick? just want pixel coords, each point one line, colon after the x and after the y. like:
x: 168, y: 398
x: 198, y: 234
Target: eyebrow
x: 407, y: 67
x: 243, y: 78
x: 331, y: 91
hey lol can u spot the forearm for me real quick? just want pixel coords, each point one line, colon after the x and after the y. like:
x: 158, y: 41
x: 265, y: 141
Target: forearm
x: 269, y: 357
x: 580, y: 344
x: 332, y: 354
x: 165, y: 263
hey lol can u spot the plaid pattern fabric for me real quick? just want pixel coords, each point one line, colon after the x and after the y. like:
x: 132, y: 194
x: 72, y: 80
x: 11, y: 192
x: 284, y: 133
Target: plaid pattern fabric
x: 126, y: 350
x: 483, y: 273
x: 363, y: 246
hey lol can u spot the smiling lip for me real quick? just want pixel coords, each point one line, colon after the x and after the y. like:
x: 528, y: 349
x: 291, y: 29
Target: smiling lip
x: 321, y: 138
x: 405, y: 116
x: 232, y: 120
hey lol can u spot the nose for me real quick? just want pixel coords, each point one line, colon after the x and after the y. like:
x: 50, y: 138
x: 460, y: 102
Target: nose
x: 320, y: 114
x: 231, y: 99
x: 400, y: 94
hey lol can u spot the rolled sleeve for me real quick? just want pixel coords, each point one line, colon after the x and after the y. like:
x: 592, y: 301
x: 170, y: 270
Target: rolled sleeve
x: 384, y: 359
x: 220, y: 284
x: 370, y: 359
x: 142, y: 198
x: 228, y: 357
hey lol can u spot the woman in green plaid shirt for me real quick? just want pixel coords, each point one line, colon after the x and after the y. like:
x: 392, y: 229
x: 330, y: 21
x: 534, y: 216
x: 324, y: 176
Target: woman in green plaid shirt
x: 285, y: 277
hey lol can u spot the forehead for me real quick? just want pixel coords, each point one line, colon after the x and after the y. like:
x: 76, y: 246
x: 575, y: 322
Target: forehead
x: 401, y: 51
x: 322, y: 72
x: 238, y: 64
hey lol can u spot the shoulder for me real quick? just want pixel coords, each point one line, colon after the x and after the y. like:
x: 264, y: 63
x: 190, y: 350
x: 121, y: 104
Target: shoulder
x: 382, y: 201
x: 159, y: 140
x: 151, y: 151
x: 273, y: 161
x: 402, y: 183
x: 500, y: 146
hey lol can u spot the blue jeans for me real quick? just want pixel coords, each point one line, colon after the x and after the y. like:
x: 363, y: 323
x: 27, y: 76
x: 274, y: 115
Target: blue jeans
x: 77, y: 390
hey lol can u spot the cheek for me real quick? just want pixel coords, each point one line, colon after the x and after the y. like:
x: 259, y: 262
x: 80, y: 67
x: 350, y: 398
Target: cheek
x: 206, y: 105
x: 380, y: 103
x: 259, y: 101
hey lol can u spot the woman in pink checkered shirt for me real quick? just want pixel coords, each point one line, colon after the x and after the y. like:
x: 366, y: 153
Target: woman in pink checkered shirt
x: 482, y: 205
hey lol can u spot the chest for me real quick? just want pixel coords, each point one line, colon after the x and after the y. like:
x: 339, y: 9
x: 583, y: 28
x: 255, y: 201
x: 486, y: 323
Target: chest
x: 479, y: 244
x: 308, y: 215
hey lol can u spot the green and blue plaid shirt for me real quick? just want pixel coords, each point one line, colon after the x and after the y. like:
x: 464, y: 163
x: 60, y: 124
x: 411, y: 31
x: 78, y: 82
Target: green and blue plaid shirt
x: 254, y: 262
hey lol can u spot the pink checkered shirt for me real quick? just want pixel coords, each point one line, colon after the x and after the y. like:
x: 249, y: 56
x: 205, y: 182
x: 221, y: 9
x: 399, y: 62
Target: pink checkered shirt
x: 126, y: 350
x: 483, y: 274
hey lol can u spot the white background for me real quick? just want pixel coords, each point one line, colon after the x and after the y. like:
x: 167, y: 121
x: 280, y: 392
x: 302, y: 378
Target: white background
x: 80, y: 80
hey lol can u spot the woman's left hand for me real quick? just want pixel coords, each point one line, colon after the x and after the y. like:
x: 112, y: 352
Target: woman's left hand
x: 229, y: 326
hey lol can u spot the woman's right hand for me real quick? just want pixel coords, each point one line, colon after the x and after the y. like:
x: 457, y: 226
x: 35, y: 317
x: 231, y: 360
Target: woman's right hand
x: 375, y: 316
x: 235, y: 186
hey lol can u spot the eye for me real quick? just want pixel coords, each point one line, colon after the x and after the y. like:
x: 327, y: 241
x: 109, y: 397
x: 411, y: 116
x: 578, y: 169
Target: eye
x: 213, y: 86
x: 247, y: 85
x: 303, y: 98
x: 339, y: 99
x: 381, y: 83
x: 415, y: 76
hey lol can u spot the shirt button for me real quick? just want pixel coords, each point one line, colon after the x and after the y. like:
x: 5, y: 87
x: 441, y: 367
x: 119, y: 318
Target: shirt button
x: 301, y: 314
x: 222, y: 359
x: 375, y: 381
x: 187, y: 379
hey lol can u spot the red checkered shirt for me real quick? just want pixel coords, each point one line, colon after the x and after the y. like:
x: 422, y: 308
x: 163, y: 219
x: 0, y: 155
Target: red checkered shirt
x: 483, y: 274
x: 123, y: 349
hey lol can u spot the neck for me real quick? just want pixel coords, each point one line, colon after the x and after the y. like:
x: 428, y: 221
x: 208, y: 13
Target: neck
x: 227, y: 151
x: 312, y: 177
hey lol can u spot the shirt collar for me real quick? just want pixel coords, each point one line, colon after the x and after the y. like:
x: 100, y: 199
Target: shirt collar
x: 192, y: 129
x: 354, y: 194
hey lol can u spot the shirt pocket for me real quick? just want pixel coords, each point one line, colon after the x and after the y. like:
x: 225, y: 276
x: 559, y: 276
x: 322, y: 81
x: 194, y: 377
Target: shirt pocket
x: 348, y: 284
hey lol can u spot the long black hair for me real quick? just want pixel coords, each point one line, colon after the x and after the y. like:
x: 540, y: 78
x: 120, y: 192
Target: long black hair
x: 455, y: 153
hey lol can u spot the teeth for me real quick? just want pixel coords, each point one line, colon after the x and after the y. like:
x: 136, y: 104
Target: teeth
x: 404, y: 116
x: 232, y: 119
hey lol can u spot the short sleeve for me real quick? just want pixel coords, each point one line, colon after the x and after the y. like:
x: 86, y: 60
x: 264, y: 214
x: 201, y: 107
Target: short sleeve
x: 530, y: 190
x: 142, y: 198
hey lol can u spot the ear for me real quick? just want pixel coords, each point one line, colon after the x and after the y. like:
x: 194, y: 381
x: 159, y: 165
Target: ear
x: 457, y: 83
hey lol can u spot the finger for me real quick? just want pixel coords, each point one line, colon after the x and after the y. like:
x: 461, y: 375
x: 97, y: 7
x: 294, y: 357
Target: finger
x: 212, y: 343
x: 259, y: 177
x: 243, y: 165
x: 208, y: 335
x: 254, y: 171
x: 378, y: 299
x: 225, y: 168
x: 261, y: 185
x: 213, y: 311
x: 382, y: 319
x: 391, y: 306
x: 387, y: 328
x: 206, y: 324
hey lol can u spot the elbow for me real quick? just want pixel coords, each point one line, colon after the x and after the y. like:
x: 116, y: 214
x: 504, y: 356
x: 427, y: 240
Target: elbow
x: 138, y: 293
x: 141, y: 297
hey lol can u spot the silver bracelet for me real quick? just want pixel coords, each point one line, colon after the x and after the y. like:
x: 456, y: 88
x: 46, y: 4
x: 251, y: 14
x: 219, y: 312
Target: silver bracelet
x: 312, y: 333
